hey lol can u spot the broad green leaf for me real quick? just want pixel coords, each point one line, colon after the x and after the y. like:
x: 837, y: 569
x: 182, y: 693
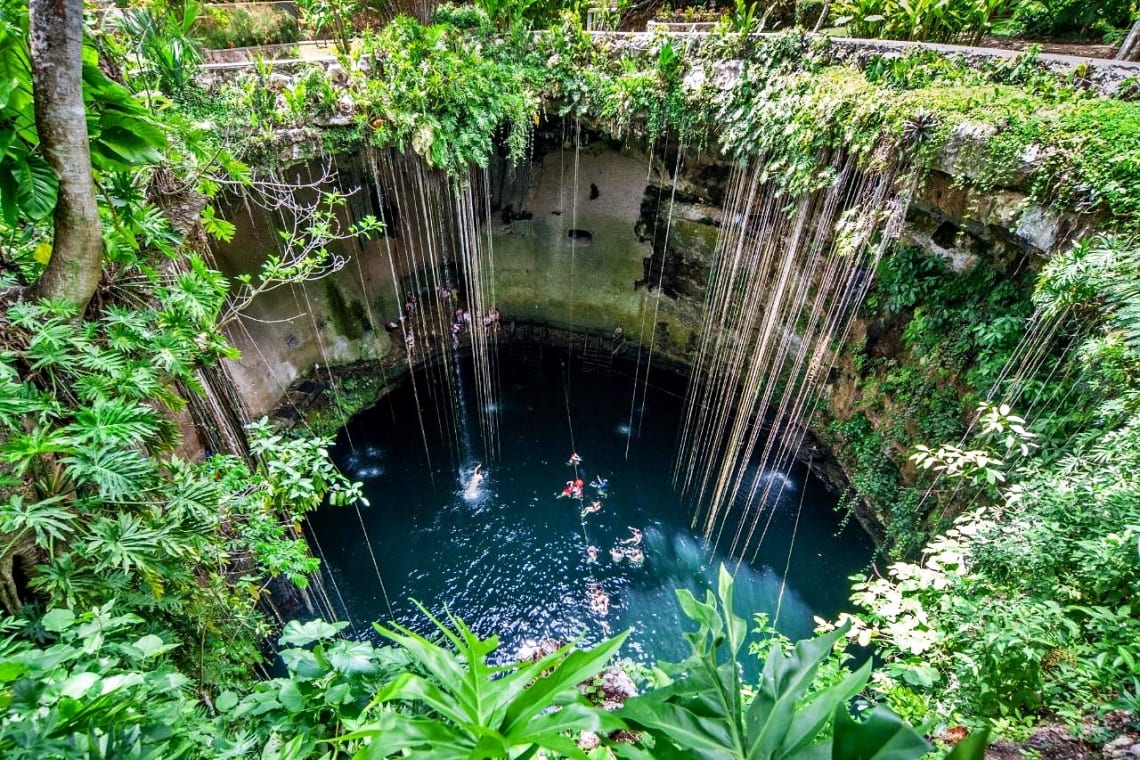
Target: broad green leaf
x: 783, y: 683
x: 10, y: 671
x: 702, y: 613
x: 9, y: 208
x: 578, y: 666
x: 78, y: 685
x: 973, y: 747
x: 684, y: 727
x: 298, y: 634
x: 810, y: 720
x: 409, y: 687
x: 226, y: 701
x: 736, y: 628
x: 58, y: 620
x: 151, y: 645
x: 441, y: 664
x: 352, y: 657
x: 290, y: 696
x: 882, y: 736
x: 37, y: 187
x: 392, y: 733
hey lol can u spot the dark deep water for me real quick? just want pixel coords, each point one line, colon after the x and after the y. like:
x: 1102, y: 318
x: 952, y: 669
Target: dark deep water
x: 512, y: 560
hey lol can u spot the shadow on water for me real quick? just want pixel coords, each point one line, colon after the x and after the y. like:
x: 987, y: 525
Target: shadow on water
x: 512, y: 558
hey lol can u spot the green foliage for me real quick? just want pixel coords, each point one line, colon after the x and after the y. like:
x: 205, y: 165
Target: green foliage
x: 518, y: 15
x: 331, y: 17
x: 480, y: 710
x: 165, y: 56
x: 451, y: 90
x: 328, y: 683
x: 1042, y: 20
x: 237, y: 26
x: 84, y: 426
x: 1098, y: 277
x: 123, y: 134
x: 98, y: 685
x: 920, y: 20
x: 1029, y: 605
x: 445, y: 98
x: 875, y: 478
x: 700, y: 707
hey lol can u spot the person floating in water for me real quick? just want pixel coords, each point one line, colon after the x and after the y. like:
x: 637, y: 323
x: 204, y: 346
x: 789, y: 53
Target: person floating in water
x: 599, y: 600
x: 575, y: 460
x: 591, y: 554
x: 472, y: 489
x: 594, y: 506
x: 600, y: 485
x: 634, y: 538
x: 635, y: 556
x: 572, y: 489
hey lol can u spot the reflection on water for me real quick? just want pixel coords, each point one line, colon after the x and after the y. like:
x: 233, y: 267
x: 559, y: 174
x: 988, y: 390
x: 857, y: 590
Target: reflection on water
x: 510, y: 557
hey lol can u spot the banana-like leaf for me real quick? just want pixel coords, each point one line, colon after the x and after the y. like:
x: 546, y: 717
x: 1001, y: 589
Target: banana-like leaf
x: 973, y: 747
x: 882, y: 736
x: 37, y: 186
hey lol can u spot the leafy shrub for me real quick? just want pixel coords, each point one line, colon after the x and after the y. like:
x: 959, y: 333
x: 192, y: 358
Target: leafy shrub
x: 1064, y: 17
x: 920, y: 20
x: 228, y: 26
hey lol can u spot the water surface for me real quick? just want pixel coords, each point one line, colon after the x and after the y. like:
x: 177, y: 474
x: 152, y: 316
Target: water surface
x: 511, y: 558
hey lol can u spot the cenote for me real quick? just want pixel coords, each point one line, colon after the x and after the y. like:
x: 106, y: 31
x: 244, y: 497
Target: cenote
x: 511, y: 557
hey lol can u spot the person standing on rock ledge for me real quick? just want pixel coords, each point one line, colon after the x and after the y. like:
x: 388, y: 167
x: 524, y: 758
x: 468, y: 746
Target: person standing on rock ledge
x: 618, y: 337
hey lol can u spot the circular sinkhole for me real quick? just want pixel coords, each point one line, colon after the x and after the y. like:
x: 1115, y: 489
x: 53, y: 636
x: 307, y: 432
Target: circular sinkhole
x: 511, y: 556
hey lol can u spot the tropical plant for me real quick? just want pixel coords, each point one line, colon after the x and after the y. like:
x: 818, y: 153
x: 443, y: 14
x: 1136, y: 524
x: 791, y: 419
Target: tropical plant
x: 446, y: 99
x: 480, y: 710
x: 920, y: 20
x: 98, y: 684
x: 1041, y: 20
x: 160, y: 40
x: 702, y: 708
x: 518, y: 15
x: 333, y: 17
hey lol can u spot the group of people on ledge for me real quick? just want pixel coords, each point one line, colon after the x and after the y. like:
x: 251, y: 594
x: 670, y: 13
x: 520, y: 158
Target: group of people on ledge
x: 448, y: 296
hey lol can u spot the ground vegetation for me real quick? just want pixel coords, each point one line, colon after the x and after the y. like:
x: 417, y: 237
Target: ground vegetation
x: 135, y: 581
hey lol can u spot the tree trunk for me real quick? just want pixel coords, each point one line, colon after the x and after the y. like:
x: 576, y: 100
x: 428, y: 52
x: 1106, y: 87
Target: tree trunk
x: 1130, y: 48
x: 822, y: 16
x: 56, y: 42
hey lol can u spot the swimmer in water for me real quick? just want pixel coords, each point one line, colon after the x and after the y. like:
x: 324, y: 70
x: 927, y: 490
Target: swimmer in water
x: 616, y: 554
x: 635, y: 537
x: 591, y: 554
x: 472, y: 489
x: 599, y: 483
x: 592, y: 507
x: 575, y: 460
x: 599, y: 600
x: 635, y: 556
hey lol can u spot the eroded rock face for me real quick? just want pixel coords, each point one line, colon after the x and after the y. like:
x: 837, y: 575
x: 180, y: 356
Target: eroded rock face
x: 652, y: 224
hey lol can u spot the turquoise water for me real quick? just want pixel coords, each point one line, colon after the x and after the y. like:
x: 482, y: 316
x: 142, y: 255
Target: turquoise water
x: 511, y: 558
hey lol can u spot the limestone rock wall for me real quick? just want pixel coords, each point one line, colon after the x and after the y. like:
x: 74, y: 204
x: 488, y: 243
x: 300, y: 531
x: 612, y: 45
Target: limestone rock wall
x: 588, y: 235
